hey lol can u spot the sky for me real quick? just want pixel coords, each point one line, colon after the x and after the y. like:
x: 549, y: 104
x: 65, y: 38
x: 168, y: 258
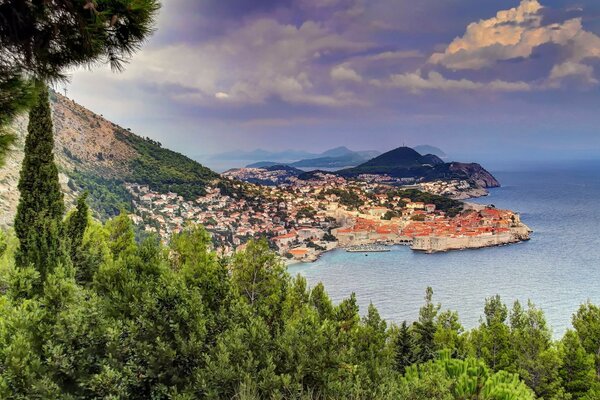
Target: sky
x: 483, y: 80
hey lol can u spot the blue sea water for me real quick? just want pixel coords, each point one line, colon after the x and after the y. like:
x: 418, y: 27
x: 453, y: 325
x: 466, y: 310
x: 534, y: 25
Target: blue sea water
x: 558, y: 269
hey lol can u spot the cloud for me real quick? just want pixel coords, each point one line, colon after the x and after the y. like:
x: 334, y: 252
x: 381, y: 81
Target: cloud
x: 394, y: 55
x: 515, y: 33
x: 415, y: 82
x: 344, y: 73
x: 261, y: 60
x: 569, y: 69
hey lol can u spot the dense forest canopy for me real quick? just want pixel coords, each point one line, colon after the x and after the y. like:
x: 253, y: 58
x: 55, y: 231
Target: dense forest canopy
x: 143, y: 320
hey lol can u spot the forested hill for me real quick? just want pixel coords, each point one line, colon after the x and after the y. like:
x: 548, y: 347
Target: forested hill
x: 97, y: 155
x: 404, y: 162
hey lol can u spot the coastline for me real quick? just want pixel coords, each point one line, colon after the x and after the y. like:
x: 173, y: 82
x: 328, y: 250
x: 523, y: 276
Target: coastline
x: 518, y: 233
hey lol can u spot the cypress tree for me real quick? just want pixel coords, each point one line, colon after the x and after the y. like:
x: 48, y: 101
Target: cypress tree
x: 38, y: 223
x: 75, y: 226
x: 77, y: 223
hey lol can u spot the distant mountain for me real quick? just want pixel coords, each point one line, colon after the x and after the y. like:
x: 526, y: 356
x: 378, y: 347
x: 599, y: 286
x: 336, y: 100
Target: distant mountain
x: 337, y: 152
x: 368, y: 154
x: 338, y: 157
x: 427, y: 149
x: 404, y: 162
x: 260, y: 154
x: 263, y: 164
x: 331, y: 162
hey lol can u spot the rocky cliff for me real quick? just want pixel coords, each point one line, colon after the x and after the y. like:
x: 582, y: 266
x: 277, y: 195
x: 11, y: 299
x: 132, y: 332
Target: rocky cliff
x: 476, y: 173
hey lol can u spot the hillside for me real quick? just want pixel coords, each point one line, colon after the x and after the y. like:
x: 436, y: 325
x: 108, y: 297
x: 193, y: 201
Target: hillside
x: 400, y: 157
x: 330, y: 162
x: 404, y: 162
x: 99, y: 156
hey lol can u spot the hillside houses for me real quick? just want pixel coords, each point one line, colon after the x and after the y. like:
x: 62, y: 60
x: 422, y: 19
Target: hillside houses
x: 304, y: 217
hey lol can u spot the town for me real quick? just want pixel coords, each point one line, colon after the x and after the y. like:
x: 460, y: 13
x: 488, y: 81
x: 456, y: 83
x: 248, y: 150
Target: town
x: 303, y: 218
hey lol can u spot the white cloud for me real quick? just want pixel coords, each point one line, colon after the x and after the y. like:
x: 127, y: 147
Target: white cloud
x: 571, y: 69
x: 262, y: 59
x: 395, y: 55
x: 344, y: 73
x: 415, y: 82
x: 512, y: 34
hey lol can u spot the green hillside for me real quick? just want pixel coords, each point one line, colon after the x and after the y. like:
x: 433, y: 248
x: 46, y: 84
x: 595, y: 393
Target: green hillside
x: 164, y: 170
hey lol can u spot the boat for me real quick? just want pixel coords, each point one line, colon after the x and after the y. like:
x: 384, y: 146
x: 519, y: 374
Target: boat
x: 368, y: 248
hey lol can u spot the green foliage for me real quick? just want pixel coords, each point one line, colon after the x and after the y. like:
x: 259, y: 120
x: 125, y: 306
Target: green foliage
x: 425, y: 328
x: 38, y: 223
x: 76, y: 224
x: 404, y: 349
x: 44, y: 39
x: 16, y: 96
x: 121, y: 237
x: 450, y: 206
x: 492, y: 340
x: 348, y: 198
x: 390, y: 214
x: 107, y: 197
x: 536, y: 359
x: 258, y: 275
x: 7, y: 140
x: 577, y: 366
x: 152, y: 321
x: 86, y: 250
x: 587, y: 325
x: 448, y: 378
x: 328, y: 237
x: 449, y: 334
x: 165, y: 170
x: 306, y: 212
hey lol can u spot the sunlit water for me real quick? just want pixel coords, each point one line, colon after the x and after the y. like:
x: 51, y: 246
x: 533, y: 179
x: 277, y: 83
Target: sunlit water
x: 558, y: 269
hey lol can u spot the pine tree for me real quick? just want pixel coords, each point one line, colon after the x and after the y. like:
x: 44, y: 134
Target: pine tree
x: 577, y: 370
x: 494, y: 335
x: 16, y: 96
x: 587, y: 325
x: 425, y: 328
x: 38, y: 223
x: 404, y: 349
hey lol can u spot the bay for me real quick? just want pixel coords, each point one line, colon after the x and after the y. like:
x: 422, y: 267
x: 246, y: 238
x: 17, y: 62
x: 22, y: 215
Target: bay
x: 558, y: 269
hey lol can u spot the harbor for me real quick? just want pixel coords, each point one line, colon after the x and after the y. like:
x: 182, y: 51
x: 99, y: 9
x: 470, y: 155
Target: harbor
x: 368, y: 248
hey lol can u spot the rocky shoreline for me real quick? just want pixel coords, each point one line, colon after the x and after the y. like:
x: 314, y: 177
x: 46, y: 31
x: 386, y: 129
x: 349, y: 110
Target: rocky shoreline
x: 516, y: 232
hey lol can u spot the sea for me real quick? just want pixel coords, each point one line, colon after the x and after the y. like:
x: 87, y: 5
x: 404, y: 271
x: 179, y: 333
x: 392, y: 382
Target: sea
x: 557, y: 270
